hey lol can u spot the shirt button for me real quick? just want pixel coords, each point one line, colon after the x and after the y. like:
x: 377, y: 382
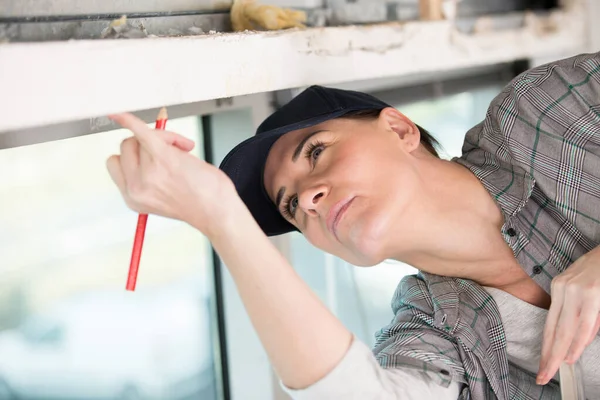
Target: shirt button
x: 537, y: 270
x: 511, y: 232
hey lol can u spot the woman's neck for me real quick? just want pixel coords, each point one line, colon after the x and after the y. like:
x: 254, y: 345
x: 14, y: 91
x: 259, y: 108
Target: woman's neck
x: 456, y: 232
x: 455, y: 224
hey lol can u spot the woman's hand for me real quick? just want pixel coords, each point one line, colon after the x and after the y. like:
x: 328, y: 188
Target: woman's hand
x: 574, y: 316
x: 156, y: 175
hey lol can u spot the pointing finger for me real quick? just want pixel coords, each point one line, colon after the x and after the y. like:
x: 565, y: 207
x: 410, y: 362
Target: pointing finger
x: 141, y: 131
x: 557, y: 347
x: 563, y: 338
x: 550, y: 328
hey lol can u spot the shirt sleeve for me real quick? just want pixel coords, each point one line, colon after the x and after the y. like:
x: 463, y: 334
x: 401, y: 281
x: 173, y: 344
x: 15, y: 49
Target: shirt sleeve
x: 359, y: 376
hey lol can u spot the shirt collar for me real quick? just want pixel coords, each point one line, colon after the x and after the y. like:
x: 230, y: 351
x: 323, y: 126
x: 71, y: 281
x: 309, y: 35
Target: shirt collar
x: 510, y: 185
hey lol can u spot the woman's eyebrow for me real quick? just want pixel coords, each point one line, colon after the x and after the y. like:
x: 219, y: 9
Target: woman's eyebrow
x: 302, y: 143
x: 280, y: 194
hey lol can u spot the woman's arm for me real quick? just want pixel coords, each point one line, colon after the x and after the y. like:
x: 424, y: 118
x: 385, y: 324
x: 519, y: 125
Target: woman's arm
x: 303, y: 339
x: 156, y: 175
x: 359, y: 376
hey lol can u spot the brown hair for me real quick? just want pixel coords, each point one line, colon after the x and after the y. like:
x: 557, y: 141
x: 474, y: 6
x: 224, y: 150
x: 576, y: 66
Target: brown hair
x: 427, y: 140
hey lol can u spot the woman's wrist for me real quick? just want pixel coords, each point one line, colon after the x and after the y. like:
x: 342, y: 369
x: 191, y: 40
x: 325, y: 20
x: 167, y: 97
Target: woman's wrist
x: 223, y: 221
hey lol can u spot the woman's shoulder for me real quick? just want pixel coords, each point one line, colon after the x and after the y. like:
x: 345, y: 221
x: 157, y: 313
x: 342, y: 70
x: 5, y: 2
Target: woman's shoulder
x: 543, y: 103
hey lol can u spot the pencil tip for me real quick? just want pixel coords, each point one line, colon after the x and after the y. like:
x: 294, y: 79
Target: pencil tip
x: 162, y: 114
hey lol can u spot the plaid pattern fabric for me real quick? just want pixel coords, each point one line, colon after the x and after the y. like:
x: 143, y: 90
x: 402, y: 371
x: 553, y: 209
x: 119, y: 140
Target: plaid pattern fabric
x: 538, y: 154
x: 451, y: 330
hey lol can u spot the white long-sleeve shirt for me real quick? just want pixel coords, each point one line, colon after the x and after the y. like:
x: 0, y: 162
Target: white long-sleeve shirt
x: 359, y: 376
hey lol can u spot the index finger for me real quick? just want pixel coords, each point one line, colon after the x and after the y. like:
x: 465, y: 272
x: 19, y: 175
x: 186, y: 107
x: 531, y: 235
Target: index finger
x: 563, y: 338
x: 140, y: 130
x: 550, y: 328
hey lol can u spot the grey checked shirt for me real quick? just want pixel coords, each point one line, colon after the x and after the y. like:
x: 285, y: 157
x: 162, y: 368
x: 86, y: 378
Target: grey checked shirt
x: 538, y: 154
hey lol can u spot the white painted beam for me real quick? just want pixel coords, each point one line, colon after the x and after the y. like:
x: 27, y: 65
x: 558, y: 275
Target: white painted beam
x: 22, y: 8
x: 47, y: 83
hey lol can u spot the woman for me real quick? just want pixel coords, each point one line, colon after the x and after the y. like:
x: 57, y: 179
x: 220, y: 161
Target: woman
x: 496, y: 234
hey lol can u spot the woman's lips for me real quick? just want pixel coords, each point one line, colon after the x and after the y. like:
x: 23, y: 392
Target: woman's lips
x: 336, y: 214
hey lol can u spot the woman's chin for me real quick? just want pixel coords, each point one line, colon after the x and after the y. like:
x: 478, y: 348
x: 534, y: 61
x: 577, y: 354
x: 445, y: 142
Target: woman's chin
x: 367, y: 242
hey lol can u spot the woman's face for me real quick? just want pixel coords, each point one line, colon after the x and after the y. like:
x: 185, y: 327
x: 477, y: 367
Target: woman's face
x: 346, y: 183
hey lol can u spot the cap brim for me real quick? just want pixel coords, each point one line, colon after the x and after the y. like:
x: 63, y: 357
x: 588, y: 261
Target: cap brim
x: 245, y: 166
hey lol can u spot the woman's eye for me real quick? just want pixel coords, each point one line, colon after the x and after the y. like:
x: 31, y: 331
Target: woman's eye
x: 313, y: 151
x: 316, y: 153
x: 293, y: 205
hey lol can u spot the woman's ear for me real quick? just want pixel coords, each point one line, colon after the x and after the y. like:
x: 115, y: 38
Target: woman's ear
x: 406, y: 130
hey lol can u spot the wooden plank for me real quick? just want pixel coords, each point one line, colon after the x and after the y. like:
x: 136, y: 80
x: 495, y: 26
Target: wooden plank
x: 46, y: 83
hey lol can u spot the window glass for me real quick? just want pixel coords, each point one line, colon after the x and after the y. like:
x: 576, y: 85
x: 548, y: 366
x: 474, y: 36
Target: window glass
x: 68, y: 328
x: 448, y: 118
x: 250, y: 374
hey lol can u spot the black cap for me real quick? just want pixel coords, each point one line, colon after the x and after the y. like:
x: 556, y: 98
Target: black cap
x: 245, y: 164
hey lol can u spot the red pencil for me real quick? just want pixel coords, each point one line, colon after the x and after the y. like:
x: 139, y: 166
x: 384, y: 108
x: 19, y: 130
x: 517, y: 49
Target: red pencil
x: 138, y: 242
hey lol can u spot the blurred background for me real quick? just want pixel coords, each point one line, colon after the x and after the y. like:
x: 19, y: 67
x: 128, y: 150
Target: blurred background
x: 69, y: 330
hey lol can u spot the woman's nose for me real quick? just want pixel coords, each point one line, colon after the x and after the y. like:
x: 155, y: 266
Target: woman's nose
x: 311, y: 198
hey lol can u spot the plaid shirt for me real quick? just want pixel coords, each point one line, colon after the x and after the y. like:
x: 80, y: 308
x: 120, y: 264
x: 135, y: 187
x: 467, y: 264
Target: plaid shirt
x: 538, y: 154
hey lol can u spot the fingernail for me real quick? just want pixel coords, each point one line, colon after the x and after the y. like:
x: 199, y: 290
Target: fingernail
x: 541, y: 379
